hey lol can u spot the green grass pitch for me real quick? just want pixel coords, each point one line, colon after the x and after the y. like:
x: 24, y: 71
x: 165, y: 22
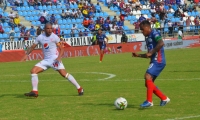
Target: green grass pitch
x: 58, y: 99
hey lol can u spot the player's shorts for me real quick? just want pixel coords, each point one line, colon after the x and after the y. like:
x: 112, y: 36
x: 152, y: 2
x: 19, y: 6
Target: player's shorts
x: 102, y: 46
x: 50, y: 63
x: 155, y: 69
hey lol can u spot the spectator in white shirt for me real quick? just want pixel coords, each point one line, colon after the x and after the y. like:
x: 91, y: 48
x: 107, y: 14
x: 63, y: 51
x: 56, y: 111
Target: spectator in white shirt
x: 74, y: 14
x: 68, y: 13
x: 170, y: 25
x: 55, y: 25
x: 12, y: 15
x: 74, y: 27
x: 44, y: 13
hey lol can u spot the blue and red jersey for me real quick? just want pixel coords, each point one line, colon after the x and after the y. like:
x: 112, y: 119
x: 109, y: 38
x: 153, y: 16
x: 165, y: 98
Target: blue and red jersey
x: 101, y: 39
x: 151, y: 42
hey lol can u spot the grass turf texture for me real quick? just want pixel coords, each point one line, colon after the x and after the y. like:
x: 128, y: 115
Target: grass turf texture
x: 58, y: 98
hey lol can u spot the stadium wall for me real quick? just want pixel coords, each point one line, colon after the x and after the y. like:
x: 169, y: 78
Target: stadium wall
x: 79, y: 51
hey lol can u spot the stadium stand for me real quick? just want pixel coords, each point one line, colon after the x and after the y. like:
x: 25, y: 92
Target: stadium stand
x: 79, y: 18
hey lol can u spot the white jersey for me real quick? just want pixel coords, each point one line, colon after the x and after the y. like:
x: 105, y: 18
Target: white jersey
x: 48, y: 44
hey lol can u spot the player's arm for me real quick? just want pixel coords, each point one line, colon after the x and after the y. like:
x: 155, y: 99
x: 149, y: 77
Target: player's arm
x: 159, y: 45
x: 29, y: 50
x: 59, y: 45
x: 107, y: 39
x: 139, y: 55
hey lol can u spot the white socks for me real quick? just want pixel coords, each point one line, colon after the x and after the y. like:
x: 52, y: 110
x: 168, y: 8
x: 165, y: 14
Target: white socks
x: 72, y: 80
x: 34, y: 80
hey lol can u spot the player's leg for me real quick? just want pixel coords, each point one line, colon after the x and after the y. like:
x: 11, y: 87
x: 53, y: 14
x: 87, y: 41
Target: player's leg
x: 150, y: 86
x: 61, y: 69
x: 101, y: 47
x: 72, y: 80
x: 39, y: 67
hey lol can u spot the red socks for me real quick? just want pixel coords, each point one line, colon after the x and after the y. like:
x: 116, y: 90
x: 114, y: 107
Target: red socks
x: 159, y: 94
x: 151, y: 88
x: 101, y: 56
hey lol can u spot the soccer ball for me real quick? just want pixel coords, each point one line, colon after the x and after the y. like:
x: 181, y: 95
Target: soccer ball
x: 121, y: 103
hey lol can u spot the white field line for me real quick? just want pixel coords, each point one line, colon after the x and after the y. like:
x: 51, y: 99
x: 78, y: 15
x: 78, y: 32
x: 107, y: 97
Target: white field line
x: 182, y: 118
x: 86, y: 80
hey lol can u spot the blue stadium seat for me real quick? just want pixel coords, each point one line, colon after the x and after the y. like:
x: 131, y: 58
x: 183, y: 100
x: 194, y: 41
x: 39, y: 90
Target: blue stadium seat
x: 59, y: 21
x: 189, y: 13
x: 38, y: 23
x: 44, y: 7
x: 55, y: 12
x: 111, y: 8
x: 17, y: 29
x: 101, y: 14
x: 32, y: 8
x: 27, y: 8
x: 67, y: 26
x: 78, y: 21
x: 20, y: 13
x: 22, y: 8
x: 57, y: 17
x: 53, y: 7
x: 40, y: 7
x: 62, y: 27
x: 24, y: 13
x: 64, y: 21
x: 75, y: 6
x: 49, y: 7
x: 166, y: 30
x: 7, y: 30
x: 97, y: 15
x: 34, y: 23
x: 73, y: 21
x: 5, y: 36
x: 29, y: 13
x: 27, y: 18
x: 5, y: 24
x: 18, y: 9
x: 69, y: 21
x: 5, y: 14
x: 31, y: 18
x: 59, y: 7
x: 25, y: 3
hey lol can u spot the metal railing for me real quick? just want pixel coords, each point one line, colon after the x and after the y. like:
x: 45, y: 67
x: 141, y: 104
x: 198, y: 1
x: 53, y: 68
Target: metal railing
x: 165, y: 32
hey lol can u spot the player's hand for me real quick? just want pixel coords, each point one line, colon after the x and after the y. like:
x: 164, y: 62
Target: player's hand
x: 148, y: 55
x: 134, y: 54
x: 58, y: 59
x: 24, y: 58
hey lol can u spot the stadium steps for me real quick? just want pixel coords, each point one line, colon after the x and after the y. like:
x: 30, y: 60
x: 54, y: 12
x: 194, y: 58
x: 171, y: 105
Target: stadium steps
x: 111, y: 13
x: 23, y: 21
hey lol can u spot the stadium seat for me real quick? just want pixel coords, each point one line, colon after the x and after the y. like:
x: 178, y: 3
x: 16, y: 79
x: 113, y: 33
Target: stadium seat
x: 60, y: 22
x: 49, y: 7
x: 5, y: 24
x: 59, y: 7
x: 64, y: 21
x: 5, y: 36
x: 32, y: 8
x: 27, y: 8
x: 73, y: 21
x: 69, y: 21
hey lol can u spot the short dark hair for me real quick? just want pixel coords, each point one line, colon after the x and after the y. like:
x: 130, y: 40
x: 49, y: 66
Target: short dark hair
x: 145, y: 23
x: 47, y: 24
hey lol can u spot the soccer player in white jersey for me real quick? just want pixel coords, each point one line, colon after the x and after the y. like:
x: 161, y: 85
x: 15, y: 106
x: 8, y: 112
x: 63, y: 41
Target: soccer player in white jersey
x: 52, y: 59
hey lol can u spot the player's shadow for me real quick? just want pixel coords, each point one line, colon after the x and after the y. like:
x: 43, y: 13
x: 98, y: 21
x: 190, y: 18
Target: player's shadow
x: 184, y: 71
x: 13, y: 95
x: 107, y: 105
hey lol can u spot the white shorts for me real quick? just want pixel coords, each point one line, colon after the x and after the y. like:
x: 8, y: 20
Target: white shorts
x: 50, y: 63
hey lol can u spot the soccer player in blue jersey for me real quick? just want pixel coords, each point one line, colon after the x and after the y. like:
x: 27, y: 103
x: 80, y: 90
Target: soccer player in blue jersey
x: 156, y: 54
x: 102, y: 43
